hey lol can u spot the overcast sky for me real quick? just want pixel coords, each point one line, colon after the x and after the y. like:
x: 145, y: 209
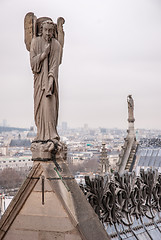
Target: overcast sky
x: 112, y: 49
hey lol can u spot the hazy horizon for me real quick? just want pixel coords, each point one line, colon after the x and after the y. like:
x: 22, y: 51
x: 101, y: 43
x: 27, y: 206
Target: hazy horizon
x: 81, y: 127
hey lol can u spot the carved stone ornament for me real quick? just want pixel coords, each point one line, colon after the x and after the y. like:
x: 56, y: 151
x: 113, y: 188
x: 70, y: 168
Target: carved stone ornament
x: 130, y: 102
x: 32, y: 28
x: 123, y: 199
x: 45, y: 40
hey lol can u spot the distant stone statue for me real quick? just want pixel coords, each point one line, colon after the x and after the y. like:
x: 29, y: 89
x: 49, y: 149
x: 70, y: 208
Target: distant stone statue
x: 130, y: 102
x: 45, y: 41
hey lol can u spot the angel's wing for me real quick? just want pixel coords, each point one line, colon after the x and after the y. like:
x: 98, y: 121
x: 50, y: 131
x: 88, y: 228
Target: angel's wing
x: 60, y: 34
x: 60, y: 31
x: 30, y: 28
x: 33, y: 28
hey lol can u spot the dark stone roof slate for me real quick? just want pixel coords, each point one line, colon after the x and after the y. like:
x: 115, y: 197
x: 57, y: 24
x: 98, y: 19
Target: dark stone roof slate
x: 20, y: 143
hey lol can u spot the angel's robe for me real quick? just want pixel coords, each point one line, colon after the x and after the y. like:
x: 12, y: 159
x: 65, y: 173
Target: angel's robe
x: 45, y: 108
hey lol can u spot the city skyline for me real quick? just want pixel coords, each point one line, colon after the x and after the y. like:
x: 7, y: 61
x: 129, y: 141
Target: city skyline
x: 112, y: 49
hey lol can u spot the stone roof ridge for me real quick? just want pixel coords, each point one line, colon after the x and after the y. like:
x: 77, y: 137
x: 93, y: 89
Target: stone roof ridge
x: 52, y: 174
x: 19, y: 199
x: 46, y: 193
x: 76, y: 205
x: 127, y: 153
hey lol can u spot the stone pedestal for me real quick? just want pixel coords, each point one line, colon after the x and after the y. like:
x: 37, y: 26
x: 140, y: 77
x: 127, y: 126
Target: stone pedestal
x: 47, y: 150
x: 131, y: 130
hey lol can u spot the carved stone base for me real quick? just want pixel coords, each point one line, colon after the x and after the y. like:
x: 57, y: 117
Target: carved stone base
x: 47, y: 150
x: 38, y: 155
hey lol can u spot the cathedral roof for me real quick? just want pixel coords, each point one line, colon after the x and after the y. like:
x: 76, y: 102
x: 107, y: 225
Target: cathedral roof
x: 50, y: 205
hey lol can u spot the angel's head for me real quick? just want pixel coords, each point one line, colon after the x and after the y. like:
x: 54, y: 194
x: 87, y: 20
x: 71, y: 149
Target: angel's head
x: 47, y: 30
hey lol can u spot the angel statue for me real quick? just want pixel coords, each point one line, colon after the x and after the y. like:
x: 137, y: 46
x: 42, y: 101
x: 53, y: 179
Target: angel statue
x: 44, y: 40
x: 130, y: 102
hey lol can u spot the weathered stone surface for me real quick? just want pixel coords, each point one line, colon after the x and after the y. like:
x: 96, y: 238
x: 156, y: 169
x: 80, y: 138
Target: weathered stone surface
x: 37, y: 153
x: 47, y: 187
x: 72, y: 236
x: 127, y: 153
x: 19, y: 200
x: 43, y: 223
x: 51, y: 236
x: 45, y: 41
x: 29, y: 27
x: 78, y: 208
x: 51, y: 208
x: 92, y: 229
x: 21, y: 235
x: 130, y: 102
x: 66, y: 215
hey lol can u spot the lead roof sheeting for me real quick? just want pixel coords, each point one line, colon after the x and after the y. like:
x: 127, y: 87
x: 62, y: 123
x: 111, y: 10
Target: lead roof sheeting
x: 157, y: 162
x: 143, y: 152
x: 110, y: 229
x: 141, y: 161
x: 149, y: 152
x: 159, y: 153
x: 140, y: 233
x: 155, y: 152
x: 143, y: 236
x: 131, y: 238
x: 156, y: 235
x: 135, y: 223
x: 149, y: 161
x: 157, y: 216
x: 145, y: 219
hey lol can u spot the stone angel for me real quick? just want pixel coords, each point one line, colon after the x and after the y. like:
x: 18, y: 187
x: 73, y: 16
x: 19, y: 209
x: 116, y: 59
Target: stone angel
x: 44, y: 40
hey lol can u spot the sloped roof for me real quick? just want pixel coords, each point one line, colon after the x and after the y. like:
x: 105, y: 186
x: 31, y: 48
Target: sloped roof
x: 19, y: 200
x: 149, y: 157
x: 148, y: 154
x: 57, y: 208
x: 146, y: 231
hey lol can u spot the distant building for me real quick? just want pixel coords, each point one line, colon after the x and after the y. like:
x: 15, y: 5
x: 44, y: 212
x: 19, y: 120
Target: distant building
x: 17, y: 162
x: 31, y: 134
x: 3, y: 151
x: 79, y: 157
x: 104, y: 166
x: 19, y: 146
x: 20, y: 143
x: 103, y: 130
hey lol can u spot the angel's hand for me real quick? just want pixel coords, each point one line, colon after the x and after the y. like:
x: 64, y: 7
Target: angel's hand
x: 46, y: 52
x: 47, y: 49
